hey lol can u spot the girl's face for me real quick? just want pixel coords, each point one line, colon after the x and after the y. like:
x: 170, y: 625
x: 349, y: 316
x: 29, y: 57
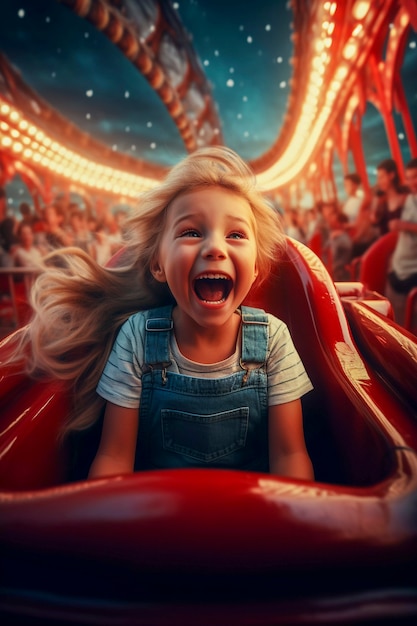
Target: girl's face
x: 207, y: 254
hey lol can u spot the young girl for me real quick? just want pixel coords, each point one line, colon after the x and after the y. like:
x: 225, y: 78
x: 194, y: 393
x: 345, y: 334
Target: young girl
x: 189, y: 377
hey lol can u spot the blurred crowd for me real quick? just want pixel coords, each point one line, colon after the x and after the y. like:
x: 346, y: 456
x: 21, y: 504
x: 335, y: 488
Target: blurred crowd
x: 340, y: 233
x: 33, y: 233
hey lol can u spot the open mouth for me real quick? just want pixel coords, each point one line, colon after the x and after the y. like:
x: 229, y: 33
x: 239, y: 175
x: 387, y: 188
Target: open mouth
x: 213, y: 288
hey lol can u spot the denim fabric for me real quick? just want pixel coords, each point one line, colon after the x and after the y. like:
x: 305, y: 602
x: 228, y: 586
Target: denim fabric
x: 202, y: 422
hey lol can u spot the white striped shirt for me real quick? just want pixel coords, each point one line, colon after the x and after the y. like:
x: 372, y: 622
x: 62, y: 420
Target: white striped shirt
x: 120, y: 382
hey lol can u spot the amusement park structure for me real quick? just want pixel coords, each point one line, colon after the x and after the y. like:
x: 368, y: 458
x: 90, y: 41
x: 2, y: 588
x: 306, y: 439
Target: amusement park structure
x: 346, y: 54
x: 220, y: 546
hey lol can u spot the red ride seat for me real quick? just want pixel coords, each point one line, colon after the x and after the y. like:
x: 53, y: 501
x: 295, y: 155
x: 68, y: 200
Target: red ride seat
x: 374, y: 262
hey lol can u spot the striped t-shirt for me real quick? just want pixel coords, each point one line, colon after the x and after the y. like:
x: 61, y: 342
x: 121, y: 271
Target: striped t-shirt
x: 120, y: 382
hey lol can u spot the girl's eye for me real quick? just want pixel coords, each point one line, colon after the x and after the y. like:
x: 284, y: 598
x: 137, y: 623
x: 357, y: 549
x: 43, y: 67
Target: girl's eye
x: 237, y: 235
x: 190, y: 232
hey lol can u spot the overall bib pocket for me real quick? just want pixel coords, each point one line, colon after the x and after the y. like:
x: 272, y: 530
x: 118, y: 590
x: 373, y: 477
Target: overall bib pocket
x: 204, y: 437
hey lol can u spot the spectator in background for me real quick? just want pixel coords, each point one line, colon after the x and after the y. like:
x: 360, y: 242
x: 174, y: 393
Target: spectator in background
x: 292, y: 225
x: 120, y: 217
x: 310, y: 219
x: 354, y: 199
x: 78, y: 229
x: 390, y: 195
x: 102, y: 246
x: 364, y: 233
x: 114, y: 234
x: 51, y: 233
x: 8, y: 238
x: 403, y: 275
x: 26, y: 253
x: 27, y: 216
x: 338, y: 249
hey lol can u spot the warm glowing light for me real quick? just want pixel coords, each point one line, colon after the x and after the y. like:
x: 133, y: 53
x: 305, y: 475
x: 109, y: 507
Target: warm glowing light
x: 350, y: 50
x: 341, y: 72
x: 43, y: 150
x: 14, y: 116
x: 360, y: 9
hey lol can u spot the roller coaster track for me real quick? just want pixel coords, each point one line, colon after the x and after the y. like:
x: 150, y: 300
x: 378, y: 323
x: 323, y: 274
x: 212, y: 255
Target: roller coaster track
x: 345, y: 55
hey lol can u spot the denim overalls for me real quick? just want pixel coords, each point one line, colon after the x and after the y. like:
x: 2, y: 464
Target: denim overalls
x: 199, y: 422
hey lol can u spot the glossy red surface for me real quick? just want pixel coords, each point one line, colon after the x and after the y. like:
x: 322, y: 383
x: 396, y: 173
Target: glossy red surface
x: 165, y: 546
x: 388, y: 348
x: 374, y: 262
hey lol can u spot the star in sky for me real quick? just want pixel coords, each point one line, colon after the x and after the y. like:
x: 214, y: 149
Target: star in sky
x: 245, y: 55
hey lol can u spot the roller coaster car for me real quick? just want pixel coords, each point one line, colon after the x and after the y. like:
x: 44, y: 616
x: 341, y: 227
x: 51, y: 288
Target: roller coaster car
x: 214, y: 546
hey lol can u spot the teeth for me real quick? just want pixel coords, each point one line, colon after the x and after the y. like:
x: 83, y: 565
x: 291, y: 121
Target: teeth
x: 216, y: 276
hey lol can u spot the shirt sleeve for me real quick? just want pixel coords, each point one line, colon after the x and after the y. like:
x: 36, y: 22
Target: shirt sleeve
x: 121, y: 380
x: 287, y: 377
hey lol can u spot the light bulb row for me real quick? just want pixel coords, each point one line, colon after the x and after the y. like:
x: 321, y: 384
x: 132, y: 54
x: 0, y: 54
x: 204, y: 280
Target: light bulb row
x: 26, y: 141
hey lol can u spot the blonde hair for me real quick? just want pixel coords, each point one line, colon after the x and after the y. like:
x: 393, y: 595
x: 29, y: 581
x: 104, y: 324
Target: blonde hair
x: 78, y: 306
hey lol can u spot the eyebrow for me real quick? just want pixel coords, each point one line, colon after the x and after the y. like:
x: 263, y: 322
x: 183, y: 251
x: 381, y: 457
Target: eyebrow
x: 232, y: 218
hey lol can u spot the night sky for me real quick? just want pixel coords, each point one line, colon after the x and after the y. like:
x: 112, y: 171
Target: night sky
x: 78, y: 71
x: 244, y: 48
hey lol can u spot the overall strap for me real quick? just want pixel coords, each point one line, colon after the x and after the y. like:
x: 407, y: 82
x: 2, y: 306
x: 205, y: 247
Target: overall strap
x: 158, y: 329
x: 254, y: 335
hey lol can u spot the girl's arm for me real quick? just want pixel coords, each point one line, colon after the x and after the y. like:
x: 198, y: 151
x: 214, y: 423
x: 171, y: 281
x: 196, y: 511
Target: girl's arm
x: 116, y: 452
x: 288, y: 454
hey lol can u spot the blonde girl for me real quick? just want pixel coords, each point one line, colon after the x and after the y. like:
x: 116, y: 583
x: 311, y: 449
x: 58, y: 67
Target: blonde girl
x: 188, y: 377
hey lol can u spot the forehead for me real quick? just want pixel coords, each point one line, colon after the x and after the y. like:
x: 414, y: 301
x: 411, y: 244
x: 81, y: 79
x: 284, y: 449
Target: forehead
x: 215, y: 201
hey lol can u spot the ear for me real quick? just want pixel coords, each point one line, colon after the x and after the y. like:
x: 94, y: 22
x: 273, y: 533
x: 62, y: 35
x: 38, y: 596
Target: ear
x: 158, y: 272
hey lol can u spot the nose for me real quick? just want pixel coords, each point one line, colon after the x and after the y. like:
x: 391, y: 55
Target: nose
x: 214, y: 247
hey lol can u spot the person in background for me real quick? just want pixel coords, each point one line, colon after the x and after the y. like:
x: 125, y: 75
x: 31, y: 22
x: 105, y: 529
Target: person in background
x: 350, y: 208
x: 292, y: 225
x: 78, y: 229
x: 310, y: 218
x: 339, y: 242
x: 102, y: 245
x: 27, y: 215
x: 402, y: 276
x: 388, y: 201
x: 8, y: 238
x: 50, y: 233
x: 26, y: 253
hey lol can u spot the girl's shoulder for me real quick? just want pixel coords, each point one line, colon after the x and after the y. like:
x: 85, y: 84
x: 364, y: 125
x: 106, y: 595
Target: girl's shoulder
x: 275, y: 324
x: 139, y: 320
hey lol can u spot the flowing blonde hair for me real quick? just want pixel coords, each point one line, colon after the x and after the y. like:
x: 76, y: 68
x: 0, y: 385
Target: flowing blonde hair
x: 78, y: 305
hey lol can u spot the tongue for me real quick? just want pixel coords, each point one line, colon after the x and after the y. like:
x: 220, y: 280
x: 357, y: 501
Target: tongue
x: 211, y: 289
